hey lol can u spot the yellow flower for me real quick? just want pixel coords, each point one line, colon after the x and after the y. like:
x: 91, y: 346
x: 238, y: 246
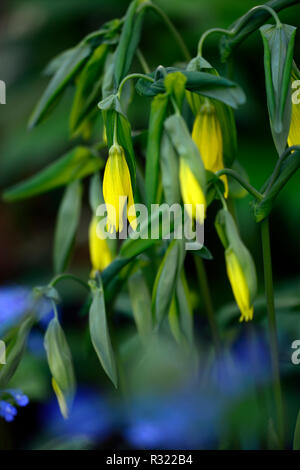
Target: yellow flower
x: 294, y: 133
x: 191, y: 191
x: 116, y: 188
x: 99, y: 250
x: 207, y: 136
x: 239, y: 285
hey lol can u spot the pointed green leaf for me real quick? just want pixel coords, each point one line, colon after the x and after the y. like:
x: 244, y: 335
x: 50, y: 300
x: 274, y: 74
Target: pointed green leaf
x: 88, y: 87
x: 166, y: 279
x: 278, y: 58
x: 99, y: 332
x: 66, y: 225
x: 296, y: 445
x: 141, y: 305
x: 157, y: 116
x: 15, y: 351
x: 169, y: 165
x: 76, y: 164
x: 61, y: 365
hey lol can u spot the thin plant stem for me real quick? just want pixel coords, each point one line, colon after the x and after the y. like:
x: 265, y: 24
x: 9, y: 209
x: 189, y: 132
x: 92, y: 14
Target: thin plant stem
x: 172, y: 29
x: 132, y: 76
x: 278, y: 165
x: 202, y: 277
x: 142, y: 60
x: 62, y: 277
x: 251, y: 190
x: 233, y: 31
x: 266, y: 248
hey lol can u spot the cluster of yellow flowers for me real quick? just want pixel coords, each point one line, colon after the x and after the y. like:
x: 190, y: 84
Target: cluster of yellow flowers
x: 207, y: 136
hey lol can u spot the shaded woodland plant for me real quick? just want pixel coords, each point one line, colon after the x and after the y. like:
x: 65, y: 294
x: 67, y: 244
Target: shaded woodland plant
x: 187, y: 155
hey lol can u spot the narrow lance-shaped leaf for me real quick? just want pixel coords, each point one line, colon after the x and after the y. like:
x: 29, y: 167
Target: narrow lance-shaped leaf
x: 278, y: 57
x: 73, y: 61
x: 61, y: 365
x: 170, y: 171
x: 141, y: 305
x: 67, y: 222
x: 157, y: 116
x: 15, y: 352
x: 204, y: 83
x: 88, y: 87
x: 166, y: 279
x: 129, y: 40
x: 296, y: 445
x: 99, y: 332
x: 76, y: 164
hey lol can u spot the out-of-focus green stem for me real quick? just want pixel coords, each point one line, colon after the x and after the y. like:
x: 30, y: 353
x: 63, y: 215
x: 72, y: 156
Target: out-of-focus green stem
x: 62, y: 277
x: 266, y: 248
x: 171, y: 27
x: 202, y: 277
x: 245, y: 184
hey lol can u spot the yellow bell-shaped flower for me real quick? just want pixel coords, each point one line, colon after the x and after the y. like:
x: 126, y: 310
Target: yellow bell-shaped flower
x: 239, y: 285
x: 116, y: 189
x: 294, y: 133
x: 191, y: 192
x: 207, y: 136
x: 99, y: 250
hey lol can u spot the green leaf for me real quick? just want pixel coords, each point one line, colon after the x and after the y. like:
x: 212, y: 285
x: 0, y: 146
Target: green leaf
x: 229, y: 135
x: 169, y: 165
x: 278, y: 58
x: 61, y: 365
x: 203, y: 253
x: 95, y: 192
x: 296, y: 445
x: 166, y: 279
x: 203, y: 83
x: 291, y: 164
x: 141, y: 305
x: 76, y: 164
x: 186, y: 147
x: 175, y: 86
x: 129, y: 40
x: 100, y: 333
x: 15, y: 351
x: 63, y: 76
x: 88, y: 88
x: 157, y: 117
x: 246, y: 25
x: 66, y: 225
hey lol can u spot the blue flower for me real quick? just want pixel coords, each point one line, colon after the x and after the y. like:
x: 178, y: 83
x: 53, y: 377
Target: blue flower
x: 7, y: 411
x: 20, y: 398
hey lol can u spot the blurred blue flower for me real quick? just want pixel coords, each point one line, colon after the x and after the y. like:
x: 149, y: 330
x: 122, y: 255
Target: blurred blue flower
x: 7, y: 411
x: 16, y: 301
x: 19, y: 397
x: 91, y: 416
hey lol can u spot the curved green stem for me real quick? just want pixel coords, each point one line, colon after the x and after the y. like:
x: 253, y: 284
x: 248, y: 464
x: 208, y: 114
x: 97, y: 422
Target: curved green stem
x: 251, y: 190
x: 132, y: 76
x: 278, y: 165
x: 61, y: 277
x: 143, y: 61
x: 212, y: 31
x: 234, y: 30
x: 266, y: 248
x: 171, y: 27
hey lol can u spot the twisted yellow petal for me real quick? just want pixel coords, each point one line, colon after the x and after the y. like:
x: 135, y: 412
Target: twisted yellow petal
x: 191, y: 191
x: 207, y: 136
x: 238, y: 284
x: 99, y: 250
x: 116, y: 189
x: 294, y: 133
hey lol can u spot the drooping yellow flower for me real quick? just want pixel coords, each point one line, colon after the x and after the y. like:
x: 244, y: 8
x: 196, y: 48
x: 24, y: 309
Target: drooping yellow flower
x: 294, y: 133
x: 239, y: 285
x: 208, y: 137
x: 99, y: 250
x: 191, y: 191
x: 116, y: 189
